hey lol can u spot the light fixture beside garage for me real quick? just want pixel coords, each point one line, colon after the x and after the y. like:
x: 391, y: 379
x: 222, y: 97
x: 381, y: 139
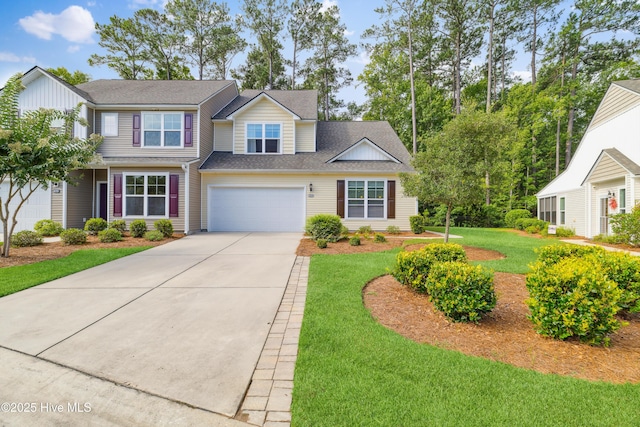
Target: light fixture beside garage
x: 310, y: 188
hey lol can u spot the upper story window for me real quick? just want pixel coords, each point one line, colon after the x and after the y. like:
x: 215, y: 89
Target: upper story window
x: 162, y: 129
x: 109, y: 124
x: 264, y: 138
x: 365, y: 199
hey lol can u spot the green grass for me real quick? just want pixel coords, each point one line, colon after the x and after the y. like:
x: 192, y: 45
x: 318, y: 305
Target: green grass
x: 351, y: 371
x: 17, y: 278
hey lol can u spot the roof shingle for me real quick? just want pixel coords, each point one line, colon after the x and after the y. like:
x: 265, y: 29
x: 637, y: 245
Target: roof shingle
x: 303, y: 103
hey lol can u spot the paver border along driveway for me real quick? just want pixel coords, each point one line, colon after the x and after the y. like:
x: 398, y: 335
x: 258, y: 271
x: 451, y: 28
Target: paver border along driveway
x: 185, y: 321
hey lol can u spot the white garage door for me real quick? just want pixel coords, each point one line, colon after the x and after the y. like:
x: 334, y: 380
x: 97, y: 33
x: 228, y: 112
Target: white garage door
x: 256, y: 209
x: 37, y: 207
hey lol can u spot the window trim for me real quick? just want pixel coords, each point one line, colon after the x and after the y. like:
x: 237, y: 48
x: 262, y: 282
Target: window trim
x: 264, y: 137
x: 145, y: 206
x: 105, y: 114
x: 562, y: 210
x: 161, y: 130
x: 622, y: 201
x: 385, y: 195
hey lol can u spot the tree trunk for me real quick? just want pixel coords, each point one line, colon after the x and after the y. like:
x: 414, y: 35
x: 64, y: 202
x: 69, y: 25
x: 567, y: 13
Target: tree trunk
x: 293, y: 65
x: 572, y: 114
x: 457, y: 77
x: 414, y: 126
x: 534, y: 43
x: 487, y: 183
x: 490, y: 58
x: 447, y: 223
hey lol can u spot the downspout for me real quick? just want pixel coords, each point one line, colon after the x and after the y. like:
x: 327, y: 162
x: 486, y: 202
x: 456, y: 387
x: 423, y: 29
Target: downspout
x: 93, y: 195
x: 185, y: 168
x: 64, y: 204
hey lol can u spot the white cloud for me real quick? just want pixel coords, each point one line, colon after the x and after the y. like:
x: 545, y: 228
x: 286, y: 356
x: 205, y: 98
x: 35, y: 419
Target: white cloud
x: 363, y: 58
x: 73, y: 48
x: 348, y: 33
x: 91, y: 3
x: 525, y: 76
x: 142, y: 4
x: 12, y: 57
x: 74, y: 24
x: 326, y: 4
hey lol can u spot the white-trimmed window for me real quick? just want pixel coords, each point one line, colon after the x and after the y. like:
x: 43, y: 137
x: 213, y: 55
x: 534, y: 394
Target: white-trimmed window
x: 146, y: 195
x: 366, y: 199
x: 622, y: 203
x: 562, y: 211
x: 162, y: 129
x: 109, y: 124
x: 264, y: 138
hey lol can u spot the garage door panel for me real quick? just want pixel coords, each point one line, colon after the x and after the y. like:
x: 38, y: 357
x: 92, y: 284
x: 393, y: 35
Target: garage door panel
x: 37, y: 207
x: 256, y: 209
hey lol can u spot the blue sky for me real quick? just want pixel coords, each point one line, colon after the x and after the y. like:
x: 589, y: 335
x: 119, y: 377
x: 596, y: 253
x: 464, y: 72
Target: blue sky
x: 53, y: 33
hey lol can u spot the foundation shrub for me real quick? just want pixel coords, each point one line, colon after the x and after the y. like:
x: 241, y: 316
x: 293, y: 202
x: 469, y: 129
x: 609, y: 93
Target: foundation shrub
x: 626, y: 227
x: 379, y: 238
x: 324, y: 226
x: 110, y: 235
x: 513, y: 215
x: 462, y: 292
x: 95, y: 225
x: 154, y: 236
x: 573, y: 298
x: 164, y: 226
x: 417, y: 223
x: 321, y: 243
x: 73, y: 236
x: 354, y: 241
x: 119, y: 224
x: 393, y: 229
x: 138, y: 227
x: 365, y: 231
x: 26, y: 238
x: 48, y: 227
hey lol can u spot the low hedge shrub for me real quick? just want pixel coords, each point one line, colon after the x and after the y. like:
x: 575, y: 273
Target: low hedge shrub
x: 73, y: 236
x: 154, y: 236
x: 379, y: 238
x: 446, y: 252
x: 412, y: 267
x: 573, y: 298
x: 626, y: 227
x: 165, y: 226
x: 513, y: 215
x: 26, y: 238
x: 110, y: 235
x: 354, y: 241
x: 48, y: 227
x: 462, y: 292
x: 138, y: 227
x: 324, y: 226
x: 95, y: 225
x: 393, y: 229
x: 552, y: 254
x: 365, y: 231
x: 119, y: 224
x: 624, y: 270
x: 417, y: 223
x: 527, y: 224
x: 321, y: 243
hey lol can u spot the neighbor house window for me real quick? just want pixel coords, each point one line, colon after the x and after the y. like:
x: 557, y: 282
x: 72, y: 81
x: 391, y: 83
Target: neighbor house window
x: 146, y: 195
x: 264, y: 138
x: 109, y: 124
x: 562, y: 211
x: 162, y: 129
x: 547, y: 209
x: 365, y: 199
x: 622, y: 203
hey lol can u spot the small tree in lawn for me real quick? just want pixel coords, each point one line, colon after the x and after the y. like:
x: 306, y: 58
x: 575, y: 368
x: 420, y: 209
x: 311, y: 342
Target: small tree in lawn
x: 34, y: 153
x: 446, y: 171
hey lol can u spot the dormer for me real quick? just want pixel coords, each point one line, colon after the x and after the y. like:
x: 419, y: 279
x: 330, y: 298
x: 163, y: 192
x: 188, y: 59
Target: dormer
x: 267, y: 123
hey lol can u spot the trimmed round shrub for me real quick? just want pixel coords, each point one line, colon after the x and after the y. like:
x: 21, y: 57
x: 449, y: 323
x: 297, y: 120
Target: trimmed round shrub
x: 412, y: 267
x: 513, y: 215
x: 354, y: 241
x: 365, y: 231
x: 626, y: 227
x: 573, y: 298
x: 48, y: 227
x: 624, y: 270
x: 154, y: 236
x: 95, y: 225
x: 110, y: 235
x: 119, y: 224
x: 379, y: 238
x: 461, y: 291
x: 344, y: 232
x: 393, y: 229
x: 552, y: 254
x: 26, y: 238
x: 324, y: 226
x: 73, y: 236
x: 446, y: 252
x: 138, y: 227
x: 417, y: 223
x: 321, y: 243
x: 165, y: 226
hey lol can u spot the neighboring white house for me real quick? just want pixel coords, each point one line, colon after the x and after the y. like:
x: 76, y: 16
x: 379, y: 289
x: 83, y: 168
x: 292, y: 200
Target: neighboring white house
x: 603, y: 177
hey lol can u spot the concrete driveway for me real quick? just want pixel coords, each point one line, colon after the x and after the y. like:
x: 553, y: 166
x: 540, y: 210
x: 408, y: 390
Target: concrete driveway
x: 184, y: 323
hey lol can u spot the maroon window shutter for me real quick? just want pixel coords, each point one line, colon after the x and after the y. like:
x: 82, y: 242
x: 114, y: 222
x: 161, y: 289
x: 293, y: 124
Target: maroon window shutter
x: 188, y: 130
x: 391, y: 199
x: 117, y: 195
x: 136, y: 130
x: 340, y: 206
x: 173, y: 195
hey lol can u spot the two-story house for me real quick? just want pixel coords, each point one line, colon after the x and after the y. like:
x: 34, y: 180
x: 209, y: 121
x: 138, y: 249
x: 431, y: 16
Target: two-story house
x: 208, y: 158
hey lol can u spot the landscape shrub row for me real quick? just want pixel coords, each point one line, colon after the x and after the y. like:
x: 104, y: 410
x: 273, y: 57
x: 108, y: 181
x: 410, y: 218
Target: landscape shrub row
x: 576, y: 291
x: 327, y: 228
x: 462, y: 292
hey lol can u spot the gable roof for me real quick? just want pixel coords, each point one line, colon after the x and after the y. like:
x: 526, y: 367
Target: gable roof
x: 333, y: 138
x: 363, y: 148
x: 152, y: 92
x: 632, y: 85
x: 37, y: 71
x: 302, y: 103
x: 622, y: 160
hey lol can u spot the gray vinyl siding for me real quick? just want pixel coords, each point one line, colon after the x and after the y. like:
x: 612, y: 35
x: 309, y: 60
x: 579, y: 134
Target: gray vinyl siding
x: 122, y: 145
x: 178, y: 223
x: 305, y: 137
x: 57, y: 202
x: 194, y: 198
x: 607, y: 169
x: 207, y: 110
x: 223, y: 136
x: 616, y: 101
x: 80, y: 199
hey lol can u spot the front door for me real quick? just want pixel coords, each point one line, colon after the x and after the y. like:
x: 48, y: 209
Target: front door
x: 604, y: 215
x: 101, y: 207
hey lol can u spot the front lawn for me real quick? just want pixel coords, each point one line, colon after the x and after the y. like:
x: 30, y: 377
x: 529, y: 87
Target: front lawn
x: 353, y: 371
x: 17, y: 278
